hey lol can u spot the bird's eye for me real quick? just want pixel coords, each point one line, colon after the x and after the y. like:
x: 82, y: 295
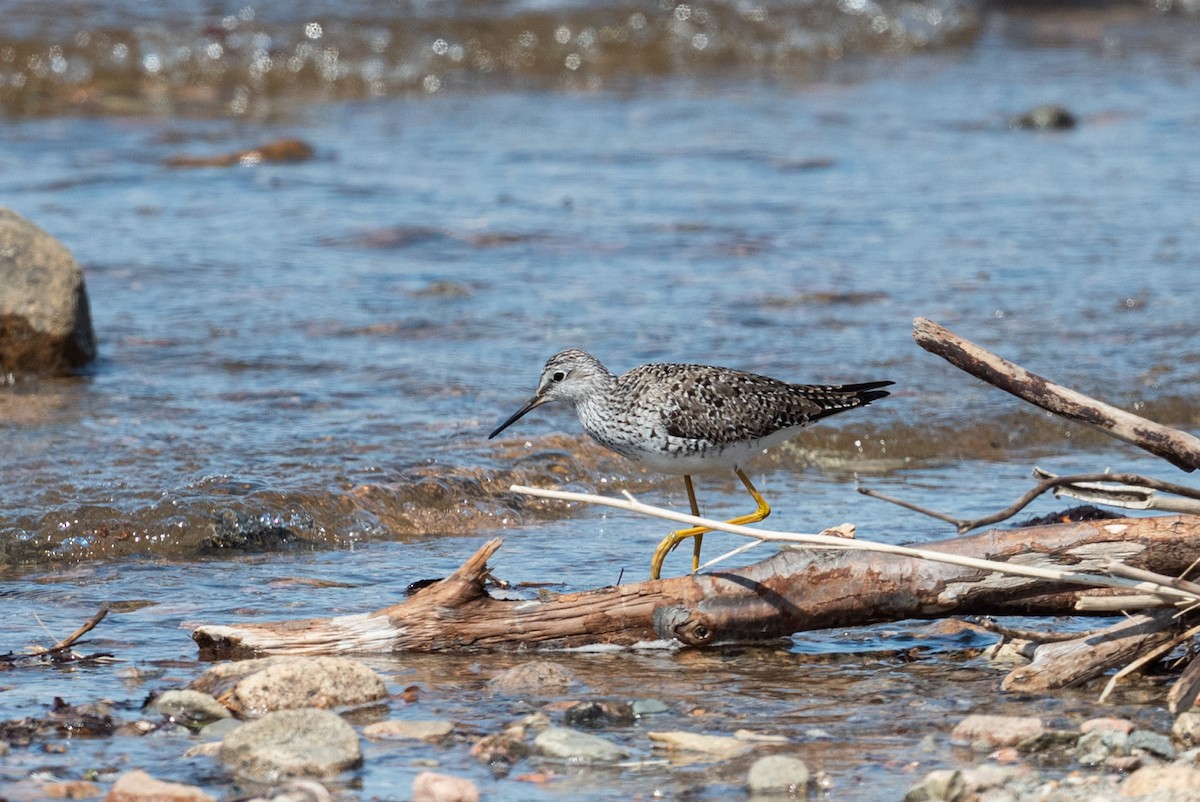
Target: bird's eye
x: 558, y: 376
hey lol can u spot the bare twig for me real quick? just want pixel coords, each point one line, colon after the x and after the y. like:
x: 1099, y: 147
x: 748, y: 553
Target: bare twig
x: 1178, y: 448
x: 1170, y: 595
x: 1120, y: 569
x: 1049, y: 483
x: 87, y: 627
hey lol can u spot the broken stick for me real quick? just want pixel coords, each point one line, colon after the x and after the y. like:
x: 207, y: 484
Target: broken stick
x: 1178, y: 448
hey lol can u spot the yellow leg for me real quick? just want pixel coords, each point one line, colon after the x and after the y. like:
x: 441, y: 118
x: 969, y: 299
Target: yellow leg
x: 675, y: 538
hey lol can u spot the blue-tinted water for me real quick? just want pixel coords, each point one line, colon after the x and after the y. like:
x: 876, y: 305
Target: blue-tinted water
x: 323, y: 347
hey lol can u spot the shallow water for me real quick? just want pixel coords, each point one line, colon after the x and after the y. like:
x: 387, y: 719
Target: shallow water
x: 303, y: 361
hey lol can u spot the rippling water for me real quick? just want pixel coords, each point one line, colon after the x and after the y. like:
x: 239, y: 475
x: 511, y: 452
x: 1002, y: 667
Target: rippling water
x: 302, y: 361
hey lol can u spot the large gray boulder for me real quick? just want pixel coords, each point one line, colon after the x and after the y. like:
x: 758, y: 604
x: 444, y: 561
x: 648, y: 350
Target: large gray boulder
x: 45, y: 323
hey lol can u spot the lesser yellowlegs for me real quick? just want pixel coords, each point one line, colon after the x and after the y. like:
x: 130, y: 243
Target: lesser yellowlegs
x: 688, y: 419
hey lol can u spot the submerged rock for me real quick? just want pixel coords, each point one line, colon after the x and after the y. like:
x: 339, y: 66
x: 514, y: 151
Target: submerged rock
x: 578, y: 747
x: 430, y: 787
x: 255, y: 687
x: 291, y: 743
x: 188, y: 707
x: 1049, y: 117
x: 986, y: 732
x: 1153, y: 743
x: 698, y: 742
x: 409, y: 730
x: 45, y: 320
x: 499, y: 749
x: 937, y: 786
x: 138, y: 786
x: 1164, y: 782
x: 296, y: 791
x: 1186, y: 729
x: 536, y: 676
x: 778, y: 773
x: 595, y: 714
x: 285, y: 151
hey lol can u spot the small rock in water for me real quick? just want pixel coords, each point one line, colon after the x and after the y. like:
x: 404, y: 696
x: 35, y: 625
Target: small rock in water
x: 290, y: 743
x: 71, y: 789
x: 296, y: 791
x: 578, y: 747
x: 138, y: 786
x: 188, y: 707
x: 698, y: 742
x: 1153, y: 743
x: 778, y: 773
x: 1162, y: 781
x: 937, y: 786
x: 1097, y: 746
x: 536, y: 676
x: 499, y: 749
x: 599, y: 714
x: 1186, y: 729
x: 430, y: 787
x: 986, y: 732
x: 255, y: 687
x: 282, y: 151
x: 411, y: 730
x: 649, y: 707
x: 1049, y: 117
x: 1107, y: 725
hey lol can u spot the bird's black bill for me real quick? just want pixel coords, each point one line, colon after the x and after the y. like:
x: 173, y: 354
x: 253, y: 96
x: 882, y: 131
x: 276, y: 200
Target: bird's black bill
x: 516, y: 416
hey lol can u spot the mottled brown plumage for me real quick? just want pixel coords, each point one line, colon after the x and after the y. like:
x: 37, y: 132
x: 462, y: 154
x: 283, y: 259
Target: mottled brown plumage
x: 688, y: 419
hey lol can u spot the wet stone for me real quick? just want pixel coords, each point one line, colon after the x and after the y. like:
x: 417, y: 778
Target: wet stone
x: 1097, y: 746
x: 1186, y: 729
x: 649, y: 707
x: 578, y: 747
x: 431, y: 787
x: 1048, y: 117
x: 778, y: 773
x: 409, y: 730
x: 986, y: 732
x: 296, y: 791
x: 45, y: 320
x: 499, y: 749
x: 937, y: 786
x: 1152, y: 743
x: 255, y: 687
x: 1157, y: 782
x: 138, y: 786
x: 537, y: 676
x: 188, y: 707
x: 596, y: 715
x: 291, y: 743
x: 1107, y: 724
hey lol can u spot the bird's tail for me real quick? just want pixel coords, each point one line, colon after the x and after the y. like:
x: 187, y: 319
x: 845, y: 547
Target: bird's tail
x: 837, y: 398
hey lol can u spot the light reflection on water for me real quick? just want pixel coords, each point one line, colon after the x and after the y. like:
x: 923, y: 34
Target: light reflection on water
x: 297, y: 341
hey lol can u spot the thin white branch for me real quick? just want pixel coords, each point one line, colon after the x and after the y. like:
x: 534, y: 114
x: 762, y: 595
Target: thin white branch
x: 1169, y: 594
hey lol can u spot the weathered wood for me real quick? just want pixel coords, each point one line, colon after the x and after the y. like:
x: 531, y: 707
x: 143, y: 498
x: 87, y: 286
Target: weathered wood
x: 1185, y: 690
x: 1178, y: 448
x: 1068, y: 663
x: 797, y: 589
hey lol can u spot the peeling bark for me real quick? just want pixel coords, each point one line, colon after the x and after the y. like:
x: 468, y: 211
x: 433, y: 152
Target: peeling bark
x: 794, y: 590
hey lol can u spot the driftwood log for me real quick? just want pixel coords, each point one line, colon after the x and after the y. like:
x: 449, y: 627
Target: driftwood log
x: 794, y: 590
